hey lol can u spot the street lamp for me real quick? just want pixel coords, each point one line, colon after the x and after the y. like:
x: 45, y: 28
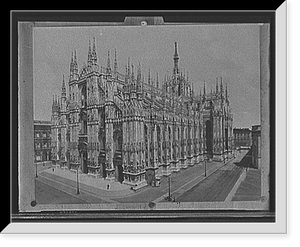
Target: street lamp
x: 77, y: 182
x: 205, y: 167
x: 169, y: 198
x: 169, y: 182
x: 36, y: 175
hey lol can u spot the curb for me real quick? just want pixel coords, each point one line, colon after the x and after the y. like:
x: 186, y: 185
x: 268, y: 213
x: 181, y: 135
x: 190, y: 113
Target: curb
x: 236, y: 186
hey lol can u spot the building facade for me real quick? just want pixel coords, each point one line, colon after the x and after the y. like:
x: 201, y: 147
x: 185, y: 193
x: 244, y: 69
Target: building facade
x: 256, y: 146
x: 134, y: 128
x: 242, y: 138
x: 42, y: 141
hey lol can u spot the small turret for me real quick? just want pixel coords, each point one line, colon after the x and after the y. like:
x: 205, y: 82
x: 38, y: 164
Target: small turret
x: 55, y: 105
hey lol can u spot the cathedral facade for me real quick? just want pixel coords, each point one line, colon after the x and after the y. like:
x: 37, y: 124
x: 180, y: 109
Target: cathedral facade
x: 134, y: 128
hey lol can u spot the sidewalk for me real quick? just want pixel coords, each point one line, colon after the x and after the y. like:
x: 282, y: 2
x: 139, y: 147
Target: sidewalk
x: 96, y: 186
x: 180, y: 182
x: 214, y: 187
x: 176, y: 192
x: 250, y: 188
x: 95, y: 189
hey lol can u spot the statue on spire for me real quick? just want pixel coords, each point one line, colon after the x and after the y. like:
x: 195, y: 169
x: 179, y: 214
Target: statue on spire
x: 128, y: 66
x: 138, y: 79
x: 226, y: 93
x: 71, y: 64
x: 115, y: 63
x: 75, y: 63
x: 149, y: 77
x: 89, y: 62
x: 94, y: 53
x: 108, y: 69
x: 63, y: 88
x: 132, y: 73
x: 221, y: 86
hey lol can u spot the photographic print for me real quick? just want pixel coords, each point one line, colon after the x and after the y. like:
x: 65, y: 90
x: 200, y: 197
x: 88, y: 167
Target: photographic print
x: 145, y: 116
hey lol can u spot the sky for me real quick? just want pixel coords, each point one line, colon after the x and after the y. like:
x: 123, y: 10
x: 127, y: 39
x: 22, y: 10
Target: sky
x: 205, y: 51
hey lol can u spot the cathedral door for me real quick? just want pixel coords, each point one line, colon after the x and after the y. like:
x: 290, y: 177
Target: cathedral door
x: 226, y: 139
x: 150, y: 177
x: 118, y: 166
x: 101, y: 161
x: 85, y: 170
x: 209, y: 138
x: 119, y: 172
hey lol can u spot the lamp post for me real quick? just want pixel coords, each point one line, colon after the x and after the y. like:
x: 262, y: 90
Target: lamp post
x: 169, y: 182
x: 205, y: 167
x: 77, y: 182
x: 36, y: 173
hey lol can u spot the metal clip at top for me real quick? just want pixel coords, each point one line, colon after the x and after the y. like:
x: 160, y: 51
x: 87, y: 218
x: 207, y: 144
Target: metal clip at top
x: 143, y: 20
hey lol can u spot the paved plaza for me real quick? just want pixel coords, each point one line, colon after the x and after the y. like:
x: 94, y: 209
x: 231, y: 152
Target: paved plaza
x: 188, y: 184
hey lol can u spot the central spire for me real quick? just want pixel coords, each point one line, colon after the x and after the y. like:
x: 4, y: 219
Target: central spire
x: 176, y: 58
x: 176, y: 53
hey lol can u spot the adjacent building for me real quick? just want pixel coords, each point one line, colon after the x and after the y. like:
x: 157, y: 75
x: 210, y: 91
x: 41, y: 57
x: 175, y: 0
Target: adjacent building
x: 242, y: 138
x: 42, y: 141
x: 135, y: 128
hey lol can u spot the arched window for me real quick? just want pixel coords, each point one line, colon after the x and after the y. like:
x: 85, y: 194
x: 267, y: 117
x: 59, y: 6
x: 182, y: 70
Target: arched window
x: 158, y: 142
x: 145, y: 133
x: 158, y: 133
x: 146, y: 144
x: 83, y: 96
x: 117, y: 137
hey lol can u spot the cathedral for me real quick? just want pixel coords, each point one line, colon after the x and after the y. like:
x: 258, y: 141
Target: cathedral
x: 133, y: 128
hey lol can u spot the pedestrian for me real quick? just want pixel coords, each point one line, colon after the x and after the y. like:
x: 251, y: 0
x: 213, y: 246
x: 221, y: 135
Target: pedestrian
x: 107, y: 186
